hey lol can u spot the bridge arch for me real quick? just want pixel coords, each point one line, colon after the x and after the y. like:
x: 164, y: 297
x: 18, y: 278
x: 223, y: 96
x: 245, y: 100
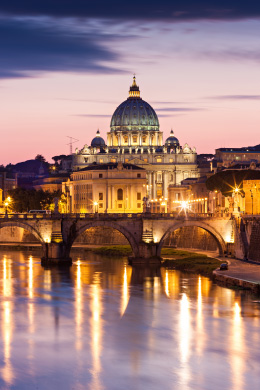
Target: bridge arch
x: 111, y: 224
x: 28, y: 227
x: 211, y: 230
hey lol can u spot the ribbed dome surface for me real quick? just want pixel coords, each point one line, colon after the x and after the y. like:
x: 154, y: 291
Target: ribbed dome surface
x: 134, y: 114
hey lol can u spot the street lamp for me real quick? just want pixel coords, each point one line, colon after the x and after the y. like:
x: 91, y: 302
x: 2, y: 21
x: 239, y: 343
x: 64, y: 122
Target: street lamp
x: 6, y: 204
x: 252, y: 199
x: 96, y: 207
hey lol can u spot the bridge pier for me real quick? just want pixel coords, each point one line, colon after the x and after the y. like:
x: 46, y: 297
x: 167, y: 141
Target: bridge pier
x: 147, y: 254
x: 55, y: 254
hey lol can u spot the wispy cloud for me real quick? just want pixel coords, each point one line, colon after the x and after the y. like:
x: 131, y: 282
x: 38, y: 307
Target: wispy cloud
x: 235, y: 97
x: 163, y: 102
x: 230, y: 54
x: 152, y: 9
x: 178, y: 109
x: 93, y: 115
x: 30, y: 47
x: 88, y: 100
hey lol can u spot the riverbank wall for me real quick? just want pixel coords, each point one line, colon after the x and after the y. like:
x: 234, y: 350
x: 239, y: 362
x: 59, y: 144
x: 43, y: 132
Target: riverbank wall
x: 232, y: 282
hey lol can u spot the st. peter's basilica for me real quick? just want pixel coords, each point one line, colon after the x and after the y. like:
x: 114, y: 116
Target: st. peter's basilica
x: 135, y: 138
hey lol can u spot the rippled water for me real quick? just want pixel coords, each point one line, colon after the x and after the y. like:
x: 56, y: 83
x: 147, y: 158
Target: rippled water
x: 103, y: 325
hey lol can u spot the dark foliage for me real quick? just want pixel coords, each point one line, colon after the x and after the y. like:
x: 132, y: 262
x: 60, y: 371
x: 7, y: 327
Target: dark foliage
x: 24, y: 200
x: 226, y: 181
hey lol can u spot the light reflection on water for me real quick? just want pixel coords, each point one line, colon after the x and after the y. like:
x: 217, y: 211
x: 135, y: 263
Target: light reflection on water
x: 103, y: 325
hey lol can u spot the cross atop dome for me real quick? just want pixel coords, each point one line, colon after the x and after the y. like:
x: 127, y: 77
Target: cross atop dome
x: 134, y: 91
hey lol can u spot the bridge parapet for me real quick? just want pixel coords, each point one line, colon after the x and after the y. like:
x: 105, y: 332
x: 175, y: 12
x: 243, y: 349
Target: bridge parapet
x: 61, y: 230
x: 108, y: 216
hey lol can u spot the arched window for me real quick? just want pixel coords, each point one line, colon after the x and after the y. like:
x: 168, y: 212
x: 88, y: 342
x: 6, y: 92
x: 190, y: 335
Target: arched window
x: 120, y: 194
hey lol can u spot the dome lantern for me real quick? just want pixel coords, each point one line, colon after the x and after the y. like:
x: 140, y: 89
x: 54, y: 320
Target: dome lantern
x: 134, y: 91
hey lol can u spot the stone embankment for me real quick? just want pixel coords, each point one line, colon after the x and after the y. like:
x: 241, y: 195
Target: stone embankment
x: 241, y: 274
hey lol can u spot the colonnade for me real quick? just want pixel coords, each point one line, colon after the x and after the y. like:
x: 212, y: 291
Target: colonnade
x: 152, y: 138
x: 153, y: 182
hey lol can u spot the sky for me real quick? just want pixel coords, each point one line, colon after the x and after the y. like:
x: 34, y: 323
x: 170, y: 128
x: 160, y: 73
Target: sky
x: 66, y: 65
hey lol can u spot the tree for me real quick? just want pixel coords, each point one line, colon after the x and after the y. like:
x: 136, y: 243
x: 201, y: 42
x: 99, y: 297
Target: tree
x: 58, y: 158
x: 24, y: 200
x: 226, y: 181
x: 40, y: 158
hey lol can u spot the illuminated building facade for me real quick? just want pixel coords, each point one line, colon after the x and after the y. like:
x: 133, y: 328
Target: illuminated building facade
x: 8, y: 181
x: 251, y: 190
x: 106, y: 188
x: 227, y: 157
x: 135, y: 138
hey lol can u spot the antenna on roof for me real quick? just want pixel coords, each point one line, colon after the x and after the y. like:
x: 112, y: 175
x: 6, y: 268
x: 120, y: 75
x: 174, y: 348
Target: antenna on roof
x: 72, y: 141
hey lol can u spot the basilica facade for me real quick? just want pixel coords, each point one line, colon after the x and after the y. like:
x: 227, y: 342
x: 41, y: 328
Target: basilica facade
x: 135, y: 138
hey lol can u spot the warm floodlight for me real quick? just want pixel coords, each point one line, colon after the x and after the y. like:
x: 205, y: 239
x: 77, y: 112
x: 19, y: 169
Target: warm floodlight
x: 184, y: 205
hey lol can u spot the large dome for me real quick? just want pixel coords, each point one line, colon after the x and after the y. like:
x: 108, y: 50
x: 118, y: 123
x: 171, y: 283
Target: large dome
x: 134, y: 113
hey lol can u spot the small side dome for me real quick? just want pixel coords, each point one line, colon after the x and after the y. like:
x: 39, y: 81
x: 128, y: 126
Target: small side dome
x: 172, y: 141
x: 98, y: 141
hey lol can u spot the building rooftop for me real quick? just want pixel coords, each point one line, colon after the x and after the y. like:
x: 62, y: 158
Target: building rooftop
x: 105, y: 167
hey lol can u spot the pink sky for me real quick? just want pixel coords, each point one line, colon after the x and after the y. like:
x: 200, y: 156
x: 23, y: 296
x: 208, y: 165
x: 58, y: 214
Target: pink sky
x: 202, y: 78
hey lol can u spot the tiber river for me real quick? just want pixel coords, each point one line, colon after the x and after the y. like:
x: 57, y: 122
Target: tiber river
x: 103, y: 325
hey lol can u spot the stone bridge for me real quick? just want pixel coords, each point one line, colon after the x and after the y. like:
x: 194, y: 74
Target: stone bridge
x: 145, y: 232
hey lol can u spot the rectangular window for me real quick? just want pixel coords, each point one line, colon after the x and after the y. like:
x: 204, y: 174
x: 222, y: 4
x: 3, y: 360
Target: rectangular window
x: 159, y: 160
x: 113, y: 160
x: 138, y: 195
x: 126, y: 160
x: 138, y: 205
x: 171, y: 160
x: 120, y: 206
x: 134, y: 139
x: 139, y: 175
x: 100, y: 196
x: 100, y: 175
x: 101, y: 160
x: 100, y: 205
x: 145, y: 159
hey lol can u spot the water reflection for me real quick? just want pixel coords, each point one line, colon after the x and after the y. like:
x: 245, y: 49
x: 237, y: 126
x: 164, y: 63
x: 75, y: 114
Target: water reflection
x: 238, y: 349
x: 118, y: 327
x: 185, y: 339
x: 125, y: 288
x: 96, y: 331
x: 7, y: 321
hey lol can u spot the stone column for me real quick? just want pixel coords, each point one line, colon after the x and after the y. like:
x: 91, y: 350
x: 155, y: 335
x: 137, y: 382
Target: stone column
x: 154, y: 185
x: 107, y: 196
x: 165, y: 184
x: 149, y: 184
x: 140, y: 139
x: 130, y: 196
x: 111, y: 198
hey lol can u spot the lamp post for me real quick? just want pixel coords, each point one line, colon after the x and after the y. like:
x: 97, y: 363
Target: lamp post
x: 252, y: 199
x: 96, y: 207
x: 6, y: 204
